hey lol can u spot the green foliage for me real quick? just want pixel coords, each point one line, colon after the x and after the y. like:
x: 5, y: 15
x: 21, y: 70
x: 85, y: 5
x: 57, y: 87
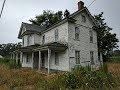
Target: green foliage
x: 10, y: 62
x: 80, y: 77
x: 114, y: 59
x: 106, y: 40
x: 5, y: 49
x: 47, y: 18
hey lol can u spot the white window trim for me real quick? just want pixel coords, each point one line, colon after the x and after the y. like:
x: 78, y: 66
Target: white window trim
x: 57, y: 62
x: 91, y: 36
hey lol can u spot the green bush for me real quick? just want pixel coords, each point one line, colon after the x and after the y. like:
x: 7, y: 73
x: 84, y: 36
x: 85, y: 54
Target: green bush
x: 10, y: 62
x: 114, y: 59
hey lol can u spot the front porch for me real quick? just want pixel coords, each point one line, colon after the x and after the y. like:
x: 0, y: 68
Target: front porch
x: 39, y: 57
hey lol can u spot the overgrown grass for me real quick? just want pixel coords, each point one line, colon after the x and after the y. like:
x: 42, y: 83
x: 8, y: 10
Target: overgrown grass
x: 80, y: 78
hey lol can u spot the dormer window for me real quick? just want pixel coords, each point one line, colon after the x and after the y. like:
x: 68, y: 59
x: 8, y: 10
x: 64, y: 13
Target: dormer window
x: 83, y: 18
x: 56, y: 35
x: 43, y: 39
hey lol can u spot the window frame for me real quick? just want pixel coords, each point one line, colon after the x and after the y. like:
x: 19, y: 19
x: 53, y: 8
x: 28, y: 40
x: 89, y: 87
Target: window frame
x: 43, y: 39
x: 83, y: 18
x: 29, y: 39
x: 56, y: 58
x: 91, y: 36
x: 56, y: 35
x: 77, y: 33
x: 92, y: 58
x: 77, y: 57
x: 23, y: 41
x: 28, y: 59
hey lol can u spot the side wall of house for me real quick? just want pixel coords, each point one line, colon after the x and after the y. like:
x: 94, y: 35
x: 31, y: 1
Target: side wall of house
x: 63, y: 56
x: 62, y: 34
x: 63, y: 61
x: 83, y: 45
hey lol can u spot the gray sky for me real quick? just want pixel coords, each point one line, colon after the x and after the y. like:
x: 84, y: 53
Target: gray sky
x: 17, y: 11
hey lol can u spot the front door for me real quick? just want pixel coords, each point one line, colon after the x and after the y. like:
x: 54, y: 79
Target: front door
x: 42, y: 60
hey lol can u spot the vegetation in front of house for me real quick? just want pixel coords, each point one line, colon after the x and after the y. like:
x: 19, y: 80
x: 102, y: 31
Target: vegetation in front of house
x: 11, y: 63
x: 80, y: 78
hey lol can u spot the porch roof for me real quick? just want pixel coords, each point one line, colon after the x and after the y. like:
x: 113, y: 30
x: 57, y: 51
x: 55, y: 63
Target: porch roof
x: 53, y: 46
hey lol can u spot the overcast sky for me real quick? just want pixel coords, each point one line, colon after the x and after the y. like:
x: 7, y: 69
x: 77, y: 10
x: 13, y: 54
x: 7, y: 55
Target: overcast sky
x: 18, y: 11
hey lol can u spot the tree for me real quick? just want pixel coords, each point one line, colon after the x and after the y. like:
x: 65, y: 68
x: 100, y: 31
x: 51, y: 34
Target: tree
x: 47, y: 18
x: 106, y: 40
x: 5, y: 49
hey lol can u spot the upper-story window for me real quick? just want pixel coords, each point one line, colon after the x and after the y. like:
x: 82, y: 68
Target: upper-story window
x: 77, y: 33
x: 23, y: 41
x: 91, y: 36
x: 43, y: 39
x: 56, y: 35
x: 83, y: 18
x: 29, y: 39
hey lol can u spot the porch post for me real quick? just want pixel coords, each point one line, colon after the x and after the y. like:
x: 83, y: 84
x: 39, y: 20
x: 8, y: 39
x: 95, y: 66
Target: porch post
x: 49, y: 54
x: 21, y: 57
x: 39, y: 60
x: 32, y: 60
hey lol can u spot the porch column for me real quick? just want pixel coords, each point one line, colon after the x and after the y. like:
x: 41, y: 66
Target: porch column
x: 17, y: 58
x: 21, y: 57
x: 32, y: 60
x: 39, y: 60
x: 49, y: 54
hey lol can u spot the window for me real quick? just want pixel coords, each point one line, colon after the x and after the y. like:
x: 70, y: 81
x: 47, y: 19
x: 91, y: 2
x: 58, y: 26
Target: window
x: 77, y: 57
x: 23, y: 41
x: 91, y: 36
x: 56, y: 59
x: 77, y: 32
x: 56, y: 35
x: 27, y: 58
x: 43, y: 39
x: 92, y: 57
x: 29, y: 39
x: 83, y: 18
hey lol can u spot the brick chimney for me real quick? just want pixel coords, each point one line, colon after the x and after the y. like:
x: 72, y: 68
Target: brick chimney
x: 80, y: 5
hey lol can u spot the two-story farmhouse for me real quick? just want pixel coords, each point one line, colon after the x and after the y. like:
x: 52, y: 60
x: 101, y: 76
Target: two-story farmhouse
x: 70, y: 42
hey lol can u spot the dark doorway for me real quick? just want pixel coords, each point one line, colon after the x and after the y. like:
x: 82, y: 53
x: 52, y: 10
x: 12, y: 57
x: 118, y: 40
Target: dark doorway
x: 36, y: 60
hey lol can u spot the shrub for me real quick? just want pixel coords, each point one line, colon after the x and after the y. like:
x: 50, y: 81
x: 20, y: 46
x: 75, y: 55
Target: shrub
x: 10, y: 62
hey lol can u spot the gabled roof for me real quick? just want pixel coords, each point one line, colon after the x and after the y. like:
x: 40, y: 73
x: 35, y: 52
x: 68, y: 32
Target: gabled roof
x: 38, y: 29
x: 29, y: 28
x: 89, y: 14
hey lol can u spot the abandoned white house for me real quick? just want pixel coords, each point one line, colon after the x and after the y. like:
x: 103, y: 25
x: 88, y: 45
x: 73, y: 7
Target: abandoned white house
x: 70, y: 42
